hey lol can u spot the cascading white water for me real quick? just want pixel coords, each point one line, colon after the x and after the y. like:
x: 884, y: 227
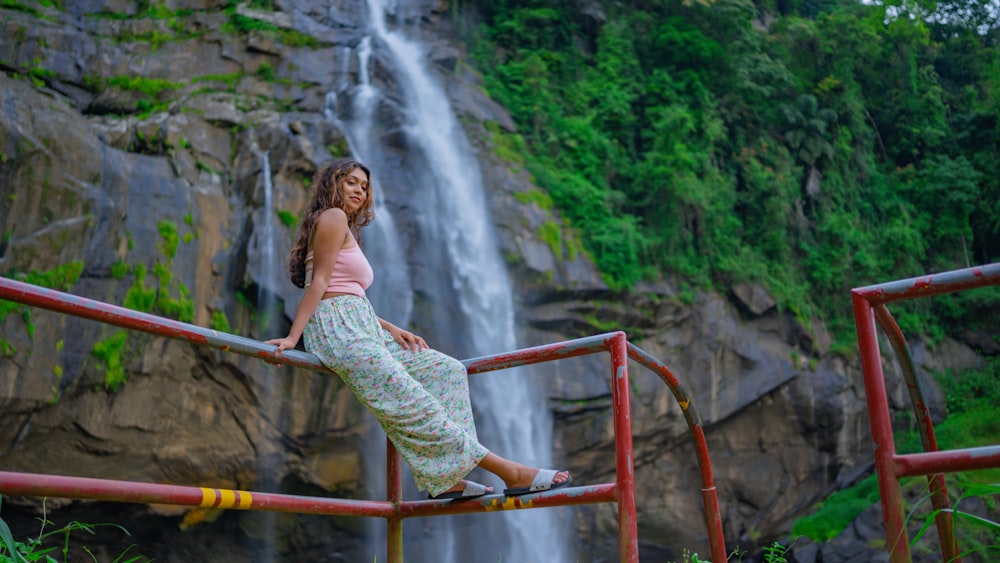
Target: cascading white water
x: 390, y: 294
x: 465, y: 306
x: 266, y: 300
x: 267, y: 309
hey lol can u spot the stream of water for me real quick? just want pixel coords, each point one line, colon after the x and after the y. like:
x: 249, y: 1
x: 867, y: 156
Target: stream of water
x: 446, y: 278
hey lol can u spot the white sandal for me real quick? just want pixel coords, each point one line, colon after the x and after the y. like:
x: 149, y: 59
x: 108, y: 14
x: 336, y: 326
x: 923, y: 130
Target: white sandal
x: 543, y: 481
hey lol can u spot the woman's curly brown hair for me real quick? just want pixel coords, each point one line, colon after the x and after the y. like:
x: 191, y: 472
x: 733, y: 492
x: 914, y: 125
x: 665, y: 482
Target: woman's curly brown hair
x: 327, y: 193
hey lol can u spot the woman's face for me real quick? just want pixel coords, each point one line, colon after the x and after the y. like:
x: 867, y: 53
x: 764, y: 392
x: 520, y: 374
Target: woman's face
x: 356, y: 190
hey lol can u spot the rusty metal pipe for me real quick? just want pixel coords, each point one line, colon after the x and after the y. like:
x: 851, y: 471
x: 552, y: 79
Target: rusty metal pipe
x: 40, y: 485
x: 925, y: 425
x: 709, y: 493
x: 83, y: 307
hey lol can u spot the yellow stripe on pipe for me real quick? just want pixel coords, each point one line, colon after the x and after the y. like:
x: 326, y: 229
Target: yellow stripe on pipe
x: 228, y: 498
x: 207, y: 498
x: 508, y: 503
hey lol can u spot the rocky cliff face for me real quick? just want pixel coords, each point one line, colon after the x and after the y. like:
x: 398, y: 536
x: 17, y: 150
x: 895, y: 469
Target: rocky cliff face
x: 131, y: 145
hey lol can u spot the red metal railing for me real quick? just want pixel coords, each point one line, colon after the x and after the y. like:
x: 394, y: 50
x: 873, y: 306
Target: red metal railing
x: 869, y: 308
x: 394, y: 509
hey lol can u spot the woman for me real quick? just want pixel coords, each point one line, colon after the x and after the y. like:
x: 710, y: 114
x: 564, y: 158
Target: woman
x: 419, y: 395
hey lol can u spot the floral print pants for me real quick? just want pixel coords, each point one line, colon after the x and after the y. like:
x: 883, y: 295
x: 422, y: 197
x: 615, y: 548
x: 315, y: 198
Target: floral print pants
x: 420, y: 398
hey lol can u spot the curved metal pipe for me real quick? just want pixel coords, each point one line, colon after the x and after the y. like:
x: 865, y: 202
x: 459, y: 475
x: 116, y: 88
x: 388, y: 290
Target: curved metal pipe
x: 925, y: 425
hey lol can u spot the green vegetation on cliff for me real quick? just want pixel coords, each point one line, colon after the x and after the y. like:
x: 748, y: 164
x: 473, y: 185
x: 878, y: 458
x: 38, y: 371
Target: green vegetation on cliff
x: 973, y: 420
x: 62, y: 278
x: 810, y: 147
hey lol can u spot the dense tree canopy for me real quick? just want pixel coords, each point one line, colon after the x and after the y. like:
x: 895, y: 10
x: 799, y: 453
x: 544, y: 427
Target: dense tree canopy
x: 811, y: 146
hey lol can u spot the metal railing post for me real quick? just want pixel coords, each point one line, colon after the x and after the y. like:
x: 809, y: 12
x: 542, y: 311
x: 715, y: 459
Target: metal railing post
x: 628, y: 534
x: 925, y: 425
x: 394, y: 494
x: 881, y: 427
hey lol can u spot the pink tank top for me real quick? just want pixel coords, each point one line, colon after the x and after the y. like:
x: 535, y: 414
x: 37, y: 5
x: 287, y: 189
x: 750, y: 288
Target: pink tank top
x: 351, y: 274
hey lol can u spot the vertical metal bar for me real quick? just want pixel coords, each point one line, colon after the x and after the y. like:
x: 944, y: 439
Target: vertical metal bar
x: 925, y: 425
x: 394, y: 494
x: 628, y: 532
x: 709, y: 492
x: 709, y: 498
x: 881, y: 426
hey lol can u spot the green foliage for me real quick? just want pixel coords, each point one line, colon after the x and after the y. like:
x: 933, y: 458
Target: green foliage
x: 265, y: 72
x: 151, y: 87
x: 982, y: 533
x: 109, y: 352
x: 508, y: 146
x: 288, y: 219
x: 39, y: 76
x: 230, y: 80
x: 155, y: 37
x: 964, y: 390
x: 537, y: 197
x: 48, y: 544
x: 220, y: 322
x: 17, y: 6
x: 834, y: 148
x: 168, y: 238
x: 973, y: 402
x: 550, y: 235
x: 837, y: 511
x: 239, y: 23
x: 139, y: 297
x: 119, y: 269
x: 201, y: 165
x: 338, y: 149
x: 62, y: 278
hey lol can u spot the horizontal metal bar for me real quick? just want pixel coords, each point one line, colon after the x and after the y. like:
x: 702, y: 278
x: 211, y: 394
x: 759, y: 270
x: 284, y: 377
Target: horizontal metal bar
x: 929, y: 463
x: 40, y: 485
x: 591, y: 494
x: 77, y: 306
x: 544, y: 353
x: 933, y: 284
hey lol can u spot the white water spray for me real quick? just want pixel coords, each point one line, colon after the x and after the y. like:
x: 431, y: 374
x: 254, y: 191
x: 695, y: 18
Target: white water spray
x: 265, y: 240
x: 267, y: 311
x: 467, y: 302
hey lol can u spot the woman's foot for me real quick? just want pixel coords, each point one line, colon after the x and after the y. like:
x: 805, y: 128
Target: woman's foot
x: 521, y: 479
x: 541, y: 480
x: 464, y: 489
x: 524, y: 476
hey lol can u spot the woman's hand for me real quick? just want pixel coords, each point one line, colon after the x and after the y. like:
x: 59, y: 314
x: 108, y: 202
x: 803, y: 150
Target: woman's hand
x: 286, y: 343
x: 407, y: 339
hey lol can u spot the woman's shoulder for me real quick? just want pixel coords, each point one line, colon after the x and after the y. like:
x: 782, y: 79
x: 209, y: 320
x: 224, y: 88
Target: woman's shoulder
x: 333, y: 214
x: 331, y: 229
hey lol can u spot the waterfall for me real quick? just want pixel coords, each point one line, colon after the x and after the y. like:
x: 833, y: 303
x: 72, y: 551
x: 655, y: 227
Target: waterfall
x: 267, y: 265
x: 267, y: 313
x: 457, y: 284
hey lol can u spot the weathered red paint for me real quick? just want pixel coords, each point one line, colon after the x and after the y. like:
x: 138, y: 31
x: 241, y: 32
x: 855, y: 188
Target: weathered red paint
x: 710, y: 497
x: 628, y: 535
x: 394, y: 509
x: 934, y: 284
x: 82, y: 307
x: 539, y: 354
x: 394, y: 494
x: 868, y: 303
x: 966, y: 459
x: 39, y: 485
x: 944, y: 520
x: 590, y: 494
x: 881, y: 428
